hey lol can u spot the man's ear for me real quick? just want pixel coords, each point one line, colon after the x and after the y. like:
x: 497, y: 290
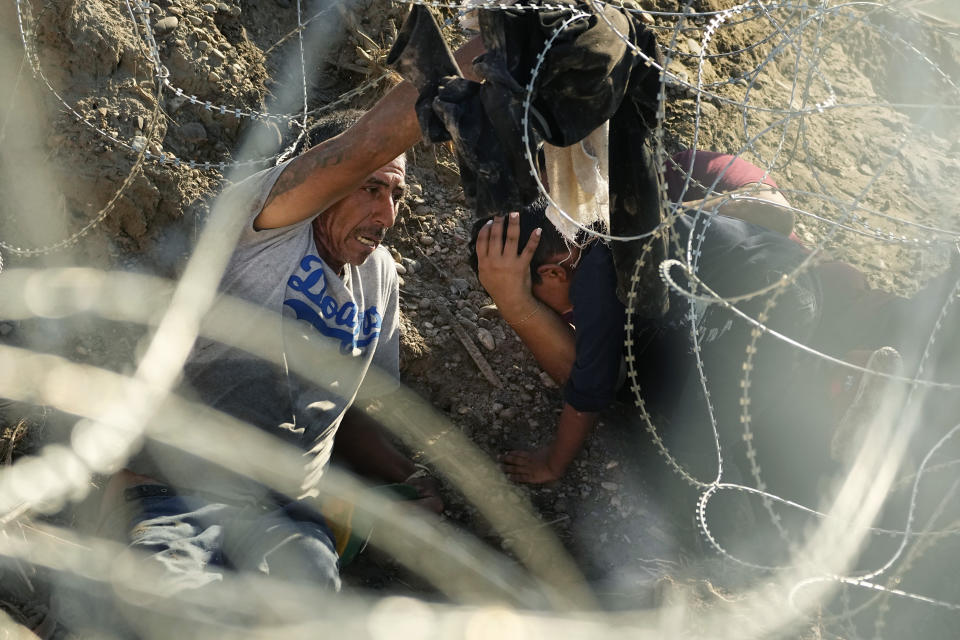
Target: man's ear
x: 552, y: 271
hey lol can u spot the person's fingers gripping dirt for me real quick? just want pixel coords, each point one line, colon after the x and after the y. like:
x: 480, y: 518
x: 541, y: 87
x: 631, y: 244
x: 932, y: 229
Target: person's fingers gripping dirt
x: 504, y: 272
x: 529, y: 467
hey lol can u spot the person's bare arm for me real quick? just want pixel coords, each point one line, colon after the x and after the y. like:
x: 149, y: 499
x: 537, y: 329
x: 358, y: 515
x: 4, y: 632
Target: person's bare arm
x: 312, y: 182
x: 759, y: 204
x: 506, y: 277
x: 549, y: 463
x: 363, y: 444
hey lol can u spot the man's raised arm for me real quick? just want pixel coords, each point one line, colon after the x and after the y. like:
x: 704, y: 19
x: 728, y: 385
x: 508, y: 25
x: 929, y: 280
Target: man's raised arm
x: 333, y: 169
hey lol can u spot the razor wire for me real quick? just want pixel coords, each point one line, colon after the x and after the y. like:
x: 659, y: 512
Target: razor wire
x: 756, y: 332
x: 850, y: 218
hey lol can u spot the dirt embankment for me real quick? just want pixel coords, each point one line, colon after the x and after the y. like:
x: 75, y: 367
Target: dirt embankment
x: 805, y: 97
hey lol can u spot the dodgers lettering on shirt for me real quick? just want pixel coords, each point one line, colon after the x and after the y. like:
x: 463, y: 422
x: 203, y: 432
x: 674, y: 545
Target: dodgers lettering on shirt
x: 330, y: 318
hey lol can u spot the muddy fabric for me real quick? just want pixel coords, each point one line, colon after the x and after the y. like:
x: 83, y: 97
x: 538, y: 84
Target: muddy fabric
x: 482, y: 119
x: 589, y: 75
x: 422, y: 57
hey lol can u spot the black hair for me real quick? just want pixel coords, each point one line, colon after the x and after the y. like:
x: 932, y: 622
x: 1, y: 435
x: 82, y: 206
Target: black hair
x: 330, y: 125
x: 532, y: 216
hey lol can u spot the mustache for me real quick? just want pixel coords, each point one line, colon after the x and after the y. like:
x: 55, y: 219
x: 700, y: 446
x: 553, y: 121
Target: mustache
x: 377, y: 233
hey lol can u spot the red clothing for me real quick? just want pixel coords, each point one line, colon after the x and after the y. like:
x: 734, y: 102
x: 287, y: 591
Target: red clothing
x: 733, y: 173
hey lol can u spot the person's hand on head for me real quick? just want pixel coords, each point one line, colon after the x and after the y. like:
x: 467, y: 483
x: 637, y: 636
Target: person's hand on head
x: 529, y: 467
x: 504, y: 272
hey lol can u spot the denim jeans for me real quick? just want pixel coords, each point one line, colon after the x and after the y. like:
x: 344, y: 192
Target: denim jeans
x: 198, y: 541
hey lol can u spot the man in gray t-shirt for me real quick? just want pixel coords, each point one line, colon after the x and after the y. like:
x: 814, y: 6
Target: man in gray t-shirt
x: 310, y: 252
x: 329, y: 281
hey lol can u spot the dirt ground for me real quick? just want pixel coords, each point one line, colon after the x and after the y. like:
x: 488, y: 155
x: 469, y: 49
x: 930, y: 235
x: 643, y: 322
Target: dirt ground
x: 897, y: 163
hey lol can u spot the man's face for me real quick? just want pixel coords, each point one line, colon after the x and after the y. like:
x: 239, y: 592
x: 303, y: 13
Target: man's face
x: 350, y: 229
x: 556, y: 279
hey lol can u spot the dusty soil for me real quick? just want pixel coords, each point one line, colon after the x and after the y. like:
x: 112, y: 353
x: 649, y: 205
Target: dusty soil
x: 895, y: 162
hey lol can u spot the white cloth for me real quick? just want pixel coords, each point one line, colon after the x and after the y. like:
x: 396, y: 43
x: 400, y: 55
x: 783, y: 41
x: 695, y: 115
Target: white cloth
x: 577, y: 181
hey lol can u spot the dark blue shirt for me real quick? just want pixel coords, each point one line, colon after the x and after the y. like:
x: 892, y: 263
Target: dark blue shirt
x: 599, y: 318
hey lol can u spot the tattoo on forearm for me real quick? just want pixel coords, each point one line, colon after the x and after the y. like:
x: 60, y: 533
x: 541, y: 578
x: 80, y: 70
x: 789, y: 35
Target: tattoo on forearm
x: 300, y: 169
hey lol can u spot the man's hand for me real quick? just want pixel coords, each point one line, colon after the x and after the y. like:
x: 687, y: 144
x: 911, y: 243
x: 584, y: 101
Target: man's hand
x: 429, y: 492
x: 530, y: 467
x: 549, y: 463
x: 503, y: 272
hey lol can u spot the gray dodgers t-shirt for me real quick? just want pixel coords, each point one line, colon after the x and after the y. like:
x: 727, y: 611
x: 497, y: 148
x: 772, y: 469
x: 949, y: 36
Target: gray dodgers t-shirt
x: 354, y: 317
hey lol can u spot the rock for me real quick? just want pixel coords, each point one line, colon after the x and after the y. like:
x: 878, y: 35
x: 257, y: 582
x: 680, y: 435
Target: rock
x: 508, y: 414
x: 5, y: 328
x: 646, y: 18
x: 495, y: 407
x: 174, y: 103
x: 401, y: 270
x: 412, y: 265
x: 486, y: 339
x: 203, y: 45
x: 415, y: 189
x: 610, y: 486
x: 459, y: 286
x: 208, y: 7
x: 219, y: 55
x: 677, y: 69
x: 547, y: 381
x: 193, y: 132
x: 138, y: 143
x: 463, y: 410
x: 223, y: 7
x: 195, y: 20
x: 425, y: 239
x: 165, y: 25
x: 213, y: 77
x: 708, y: 110
x: 426, y: 303
x: 489, y: 311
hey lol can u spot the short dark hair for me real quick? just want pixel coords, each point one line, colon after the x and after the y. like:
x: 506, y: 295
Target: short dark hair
x: 532, y: 216
x: 329, y: 125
